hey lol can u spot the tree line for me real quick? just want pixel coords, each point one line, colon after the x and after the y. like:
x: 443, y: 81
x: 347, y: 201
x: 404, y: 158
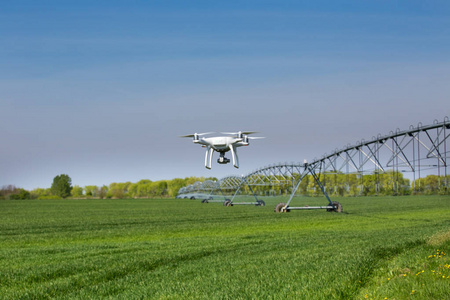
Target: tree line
x: 62, y: 188
x: 338, y: 184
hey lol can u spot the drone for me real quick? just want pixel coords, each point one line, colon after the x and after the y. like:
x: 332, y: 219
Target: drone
x: 222, y: 144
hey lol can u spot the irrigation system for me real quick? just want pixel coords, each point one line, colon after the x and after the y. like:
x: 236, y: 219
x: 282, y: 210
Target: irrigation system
x: 417, y: 152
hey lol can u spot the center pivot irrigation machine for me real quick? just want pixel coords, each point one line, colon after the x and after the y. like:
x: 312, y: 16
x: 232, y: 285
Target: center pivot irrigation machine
x: 377, y: 166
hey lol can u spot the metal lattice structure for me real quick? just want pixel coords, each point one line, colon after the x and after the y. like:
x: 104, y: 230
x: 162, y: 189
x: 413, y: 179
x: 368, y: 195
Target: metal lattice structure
x: 419, y: 151
x: 415, y: 150
x: 211, y: 191
x: 231, y: 182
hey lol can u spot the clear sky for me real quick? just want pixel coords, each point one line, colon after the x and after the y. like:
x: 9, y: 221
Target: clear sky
x: 101, y: 90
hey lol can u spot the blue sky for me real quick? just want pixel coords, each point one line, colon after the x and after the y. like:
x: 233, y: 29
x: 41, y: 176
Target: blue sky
x: 101, y: 90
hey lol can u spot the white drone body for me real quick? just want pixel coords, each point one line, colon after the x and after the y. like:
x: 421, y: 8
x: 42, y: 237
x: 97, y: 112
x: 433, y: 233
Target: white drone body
x: 222, y: 144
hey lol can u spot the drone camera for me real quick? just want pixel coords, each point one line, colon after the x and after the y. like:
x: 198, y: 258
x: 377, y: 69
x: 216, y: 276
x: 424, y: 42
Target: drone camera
x: 223, y: 160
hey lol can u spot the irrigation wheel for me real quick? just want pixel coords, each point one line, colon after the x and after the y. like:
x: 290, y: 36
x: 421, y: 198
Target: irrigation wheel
x: 279, y: 208
x: 337, y: 205
x: 260, y: 203
x: 225, y: 203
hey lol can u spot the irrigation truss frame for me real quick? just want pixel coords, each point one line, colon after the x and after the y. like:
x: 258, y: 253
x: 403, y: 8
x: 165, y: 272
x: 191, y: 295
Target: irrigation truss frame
x: 212, y: 191
x: 415, y: 151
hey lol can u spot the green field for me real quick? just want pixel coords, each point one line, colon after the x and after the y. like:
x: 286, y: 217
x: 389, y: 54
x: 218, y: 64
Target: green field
x: 379, y: 248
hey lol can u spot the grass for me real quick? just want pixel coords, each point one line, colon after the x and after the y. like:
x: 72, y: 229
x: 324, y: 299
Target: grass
x: 183, y: 249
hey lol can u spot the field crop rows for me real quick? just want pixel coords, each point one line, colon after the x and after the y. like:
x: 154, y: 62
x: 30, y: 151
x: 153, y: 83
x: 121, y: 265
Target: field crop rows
x: 385, y: 247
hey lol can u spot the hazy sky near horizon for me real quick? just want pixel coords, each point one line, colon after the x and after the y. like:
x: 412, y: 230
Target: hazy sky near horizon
x: 101, y: 90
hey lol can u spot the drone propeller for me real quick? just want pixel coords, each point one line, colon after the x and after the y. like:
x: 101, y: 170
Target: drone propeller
x: 245, y: 139
x: 240, y: 132
x: 196, y: 134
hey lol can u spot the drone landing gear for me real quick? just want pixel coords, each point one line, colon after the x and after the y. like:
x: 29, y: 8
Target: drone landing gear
x: 222, y: 159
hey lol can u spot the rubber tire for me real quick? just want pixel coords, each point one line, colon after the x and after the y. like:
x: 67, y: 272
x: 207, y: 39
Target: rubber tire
x: 261, y: 203
x: 192, y: 198
x: 225, y: 203
x: 279, y: 207
x: 338, y: 207
x: 229, y: 204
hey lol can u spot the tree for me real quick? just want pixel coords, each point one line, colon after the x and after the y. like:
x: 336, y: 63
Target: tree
x: 102, y: 192
x: 159, y: 188
x: 61, y: 186
x: 42, y: 194
x: 91, y: 190
x: 8, y: 190
x: 144, y: 188
x: 13, y: 193
x: 175, y: 185
x: 77, y: 191
x: 119, y: 190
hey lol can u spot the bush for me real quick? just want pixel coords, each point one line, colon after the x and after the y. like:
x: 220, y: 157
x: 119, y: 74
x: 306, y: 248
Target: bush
x: 21, y: 194
x: 49, y: 197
